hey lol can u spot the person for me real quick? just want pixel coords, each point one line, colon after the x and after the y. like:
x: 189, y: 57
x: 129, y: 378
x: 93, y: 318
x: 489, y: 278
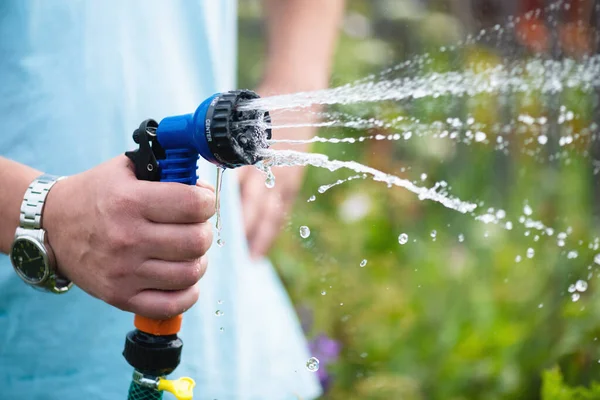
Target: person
x: 75, y: 79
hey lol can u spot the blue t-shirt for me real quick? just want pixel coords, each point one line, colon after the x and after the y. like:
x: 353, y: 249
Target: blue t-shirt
x: 76, y: 77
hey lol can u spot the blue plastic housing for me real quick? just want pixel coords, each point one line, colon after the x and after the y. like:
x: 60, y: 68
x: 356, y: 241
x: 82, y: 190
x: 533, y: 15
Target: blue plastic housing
x: 184, y: 138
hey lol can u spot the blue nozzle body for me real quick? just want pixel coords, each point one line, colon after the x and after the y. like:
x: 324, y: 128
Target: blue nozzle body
x: 184, y: 139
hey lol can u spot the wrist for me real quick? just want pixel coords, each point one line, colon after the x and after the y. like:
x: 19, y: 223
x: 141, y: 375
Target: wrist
x: 53, y: 215
x: 16, y: 183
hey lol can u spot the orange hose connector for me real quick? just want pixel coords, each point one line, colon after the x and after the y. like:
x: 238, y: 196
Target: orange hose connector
x: 158, y: 327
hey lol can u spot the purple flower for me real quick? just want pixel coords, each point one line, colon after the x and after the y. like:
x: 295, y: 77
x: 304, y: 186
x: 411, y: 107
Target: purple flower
x: 326, y: 350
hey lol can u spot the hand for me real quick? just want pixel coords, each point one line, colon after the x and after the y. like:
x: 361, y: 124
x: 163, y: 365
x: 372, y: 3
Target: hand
x: 139, y: 246
x: 265, y: 209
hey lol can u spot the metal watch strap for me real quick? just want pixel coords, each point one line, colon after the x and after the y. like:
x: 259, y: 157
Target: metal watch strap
x: 33, y: 201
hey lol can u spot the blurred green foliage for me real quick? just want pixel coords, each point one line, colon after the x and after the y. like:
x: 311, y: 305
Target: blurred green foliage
x: 439, y: 317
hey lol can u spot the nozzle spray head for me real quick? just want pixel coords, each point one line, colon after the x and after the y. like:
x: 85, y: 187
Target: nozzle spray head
x: 219, y: 130
x: 235, y: 136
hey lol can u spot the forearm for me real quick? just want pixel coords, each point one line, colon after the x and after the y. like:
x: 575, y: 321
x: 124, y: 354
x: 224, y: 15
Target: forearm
x: 302, y: 36
x: 14, y: 180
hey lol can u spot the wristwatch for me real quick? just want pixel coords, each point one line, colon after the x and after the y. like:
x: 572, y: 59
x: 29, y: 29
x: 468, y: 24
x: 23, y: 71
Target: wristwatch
x: 29, y: 254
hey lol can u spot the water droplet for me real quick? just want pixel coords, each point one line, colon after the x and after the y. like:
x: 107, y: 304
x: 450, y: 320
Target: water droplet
x: 403, y: 238
x: 433, y: 233
x: 560, y: 243
x: 527, y: 210
x: 364, y: 355
x: 461, y: 238
x: 597, y: 258
x: 508, y: 225
x: 304, y: 232
x: 541, y: 305
x: 219, y: 313
x: 542, y: 139
x: 312, y: 198
x: 222, y: 329
x: 312, y: 364
x: 581, y: 285
x: 220, y: 302
x: 270, y: 181
x: 575, y: 297
x: 363, y: 263
x: 572, y: 254
x: 480, y: 136
x: 323, y: 293
x: 518, y: 259
x: 530, y: 253
x: 423, y: 176
x: 571, y: 288
x: 220, y: 242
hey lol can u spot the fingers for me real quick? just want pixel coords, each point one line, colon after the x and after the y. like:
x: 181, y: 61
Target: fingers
x: 182, y: 242
x: 165, y: 275
x: 206, y: 185
x: 158, y: 304
x: 176, y: 203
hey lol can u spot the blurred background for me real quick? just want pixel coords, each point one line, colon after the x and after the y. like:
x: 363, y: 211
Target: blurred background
x: 463, y: 310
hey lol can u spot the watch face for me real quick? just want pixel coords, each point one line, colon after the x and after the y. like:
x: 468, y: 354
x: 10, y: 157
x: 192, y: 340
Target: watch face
x: 30, y: 260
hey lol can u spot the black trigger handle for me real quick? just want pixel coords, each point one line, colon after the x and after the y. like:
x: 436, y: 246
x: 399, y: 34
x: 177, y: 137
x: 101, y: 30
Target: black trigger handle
x: 145, y: 157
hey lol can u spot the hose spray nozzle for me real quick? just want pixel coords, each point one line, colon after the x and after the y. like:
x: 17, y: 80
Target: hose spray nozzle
x: 219, y: 130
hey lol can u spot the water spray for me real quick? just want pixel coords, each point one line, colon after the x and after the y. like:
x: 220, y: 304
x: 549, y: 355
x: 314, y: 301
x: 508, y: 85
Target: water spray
x: 224, y: 134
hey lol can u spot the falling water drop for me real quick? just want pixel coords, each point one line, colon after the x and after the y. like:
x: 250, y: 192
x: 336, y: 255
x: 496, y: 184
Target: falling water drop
x: 575, y: 297
x: 219, y: 313
x: 323, y: 293
x: 270, y: 181
x: 433, y: 233
x: 571, y: 288
x: 363, y: 263
x: 312, y: 198
x: 572, y: 254
x: 220, y: 302
x: 221, y: 329
x: 597, y: 258
x: 312, y: 364
x: 542, y: 139
x: 220, y: 242
x: 480, y: 136
x: 541, y: 305
x: 461, y: 238
x: 518, y: 259
x: 304, y: 232
x: 530, y: 252
x: 403, y: 238
x: 527, y: 209
x: 581, y: 285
